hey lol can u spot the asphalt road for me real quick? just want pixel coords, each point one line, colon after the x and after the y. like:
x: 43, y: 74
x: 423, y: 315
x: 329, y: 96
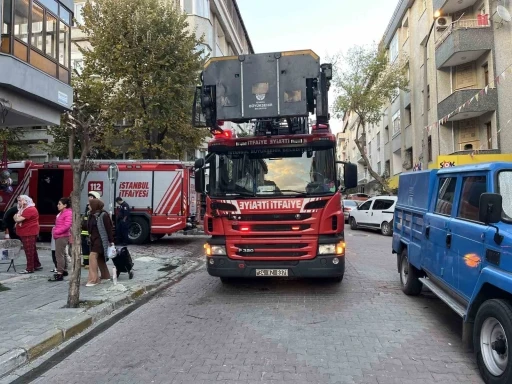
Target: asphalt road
x: 364, y: 330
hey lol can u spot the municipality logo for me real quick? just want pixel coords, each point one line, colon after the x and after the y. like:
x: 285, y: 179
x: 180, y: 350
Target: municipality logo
x: 260, y: 96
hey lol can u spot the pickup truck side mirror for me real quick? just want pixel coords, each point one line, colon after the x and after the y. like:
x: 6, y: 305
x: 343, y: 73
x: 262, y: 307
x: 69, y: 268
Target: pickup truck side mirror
x: 490, y: 208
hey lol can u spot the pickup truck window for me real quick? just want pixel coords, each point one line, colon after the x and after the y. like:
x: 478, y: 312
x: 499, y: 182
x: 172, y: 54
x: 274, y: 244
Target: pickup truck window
x: 445, y: 195
x: 472, y: 188
x: 505, y: 190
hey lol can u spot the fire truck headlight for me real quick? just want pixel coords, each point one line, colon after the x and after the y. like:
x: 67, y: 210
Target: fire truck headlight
x: 327, y: 249
x: 218, y: 250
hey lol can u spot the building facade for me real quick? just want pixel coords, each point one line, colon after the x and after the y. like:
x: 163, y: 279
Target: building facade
x: 466, y: 110
x: 35, y: 64
x: 224, y: 35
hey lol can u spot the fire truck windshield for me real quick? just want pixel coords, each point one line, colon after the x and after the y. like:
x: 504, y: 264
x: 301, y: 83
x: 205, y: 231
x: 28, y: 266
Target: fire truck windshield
x: 299, y: 171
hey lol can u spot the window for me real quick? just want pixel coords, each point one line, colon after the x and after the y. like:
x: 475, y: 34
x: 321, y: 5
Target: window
x: 393, y: 49
x: 379, y: 168
x: 365, y: 206
x: 78, y: 13
x: 378, y: 141
x: 51, y: 5
x: 396, y: 123
x: 472, y: 188
x: 381, y: 205
x: 488, y: 128
x: 486, y: 74
x: 64, y: 45
x: 37, y: 27
x: 445, y: 195
x: 21, y: 20
x: 51, y: 36
x: 430, y: 148
x: 78, y: 65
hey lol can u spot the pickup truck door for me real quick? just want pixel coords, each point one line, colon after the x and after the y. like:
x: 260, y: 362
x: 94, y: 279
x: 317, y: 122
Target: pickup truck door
x: 469, y: 235
x: 438, y: 232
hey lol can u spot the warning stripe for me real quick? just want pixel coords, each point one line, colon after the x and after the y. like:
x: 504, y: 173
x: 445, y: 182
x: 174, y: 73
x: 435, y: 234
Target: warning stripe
x: 165, y: 198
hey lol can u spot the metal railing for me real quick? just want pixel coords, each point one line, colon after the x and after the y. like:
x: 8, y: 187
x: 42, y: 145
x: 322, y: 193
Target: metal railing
x: 462, y: 24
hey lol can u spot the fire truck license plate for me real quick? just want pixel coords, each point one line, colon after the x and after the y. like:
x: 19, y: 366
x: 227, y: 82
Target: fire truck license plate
x: 271, y: 272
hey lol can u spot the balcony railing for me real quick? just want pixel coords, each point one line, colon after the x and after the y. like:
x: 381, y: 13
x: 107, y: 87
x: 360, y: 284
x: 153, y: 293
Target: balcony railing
x: 462, y: 24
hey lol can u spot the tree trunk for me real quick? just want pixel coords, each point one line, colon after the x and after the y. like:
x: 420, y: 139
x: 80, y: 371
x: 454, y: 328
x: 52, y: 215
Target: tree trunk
x: 76, y: 249
x: 360, y: 146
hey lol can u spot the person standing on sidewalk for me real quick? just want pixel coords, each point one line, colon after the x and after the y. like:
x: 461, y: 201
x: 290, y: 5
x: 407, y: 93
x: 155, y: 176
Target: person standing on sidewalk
x: 101, y: 237
x: 61, y: 234
x: 85, y: 234
x: 27, y: 228
x: 122, y: 223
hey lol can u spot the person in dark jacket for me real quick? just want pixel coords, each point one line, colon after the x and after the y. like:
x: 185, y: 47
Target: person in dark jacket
x: 101, y: 236
x: 122, y: 221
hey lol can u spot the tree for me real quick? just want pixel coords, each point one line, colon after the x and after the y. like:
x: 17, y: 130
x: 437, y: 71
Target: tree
x: 365, y: 81
x: 148, y: 58
x: 82, y: 126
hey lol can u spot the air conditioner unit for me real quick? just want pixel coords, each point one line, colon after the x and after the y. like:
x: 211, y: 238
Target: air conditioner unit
x: 443, y: 22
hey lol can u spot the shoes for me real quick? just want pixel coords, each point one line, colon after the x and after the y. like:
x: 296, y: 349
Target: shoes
x: 24, y: 272
x: 54, y: 270
x: 40, y: 268
x: 91, y: 284
x: 56, y: 277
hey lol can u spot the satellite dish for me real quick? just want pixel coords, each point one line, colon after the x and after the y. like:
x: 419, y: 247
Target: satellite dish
x: 503, y: 13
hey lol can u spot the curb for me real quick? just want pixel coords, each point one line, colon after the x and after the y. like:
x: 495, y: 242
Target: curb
x: 15, y: 358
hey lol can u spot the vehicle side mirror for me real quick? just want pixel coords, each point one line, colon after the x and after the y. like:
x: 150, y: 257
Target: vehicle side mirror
x: 349, y: 174
x: 490, y: 207
x: 199, y: 175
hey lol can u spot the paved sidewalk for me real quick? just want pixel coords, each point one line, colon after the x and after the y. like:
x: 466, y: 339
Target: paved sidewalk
x: 33, y: 317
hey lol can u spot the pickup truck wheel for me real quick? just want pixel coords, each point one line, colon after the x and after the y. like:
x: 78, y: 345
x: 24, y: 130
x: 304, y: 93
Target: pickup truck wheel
x: 492, y: 332
x: 353, y: 223
x: 409, y: 276
x: 385, y: 229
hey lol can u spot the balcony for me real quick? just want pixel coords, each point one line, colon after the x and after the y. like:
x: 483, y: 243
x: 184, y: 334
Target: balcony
x: 462, y: 42
x: 408, y: 136
x: 362, y: 177
x: 451, y: 6
x: 485, y: 103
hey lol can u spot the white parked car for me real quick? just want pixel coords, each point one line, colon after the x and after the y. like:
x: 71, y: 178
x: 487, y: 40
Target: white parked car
x: 375, y: 213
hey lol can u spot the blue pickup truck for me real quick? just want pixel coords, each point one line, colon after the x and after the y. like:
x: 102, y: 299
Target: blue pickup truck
x: 453, y: 235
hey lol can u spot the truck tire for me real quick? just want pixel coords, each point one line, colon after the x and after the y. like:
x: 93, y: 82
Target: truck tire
x: 353, y: 223
x: 386, y: 229
x: 409, y: 276
x: 138, y: 232
x: 8, y: 222
x: 491, y: 335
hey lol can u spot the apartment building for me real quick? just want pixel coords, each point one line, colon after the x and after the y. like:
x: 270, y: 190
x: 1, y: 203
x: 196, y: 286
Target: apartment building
x: 35, y: 65
x: 467, y: 48
x: 219, y: 20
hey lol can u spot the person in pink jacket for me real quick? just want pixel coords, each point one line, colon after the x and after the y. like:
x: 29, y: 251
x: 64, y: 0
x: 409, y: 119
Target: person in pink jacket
x: 61, y: 233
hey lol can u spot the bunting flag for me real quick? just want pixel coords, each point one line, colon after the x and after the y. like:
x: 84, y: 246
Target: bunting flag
x: 484, y: 91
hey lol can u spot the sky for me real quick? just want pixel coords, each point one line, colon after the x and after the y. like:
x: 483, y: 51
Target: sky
x: 325, y: 26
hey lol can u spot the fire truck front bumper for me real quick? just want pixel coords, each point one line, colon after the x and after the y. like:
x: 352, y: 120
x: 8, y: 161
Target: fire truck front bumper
x: 320, y: 266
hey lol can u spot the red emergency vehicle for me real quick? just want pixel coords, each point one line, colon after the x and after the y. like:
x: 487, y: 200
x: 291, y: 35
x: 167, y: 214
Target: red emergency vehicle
x: 273, y: 205
x: 161, y: 193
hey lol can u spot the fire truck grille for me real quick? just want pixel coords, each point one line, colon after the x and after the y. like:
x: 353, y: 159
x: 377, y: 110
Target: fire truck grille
x: 274, y: 217
x: 274, y: 227
x: 277, y: 250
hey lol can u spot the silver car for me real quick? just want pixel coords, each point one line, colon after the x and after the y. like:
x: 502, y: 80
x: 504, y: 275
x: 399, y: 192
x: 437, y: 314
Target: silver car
x: 348, y: 205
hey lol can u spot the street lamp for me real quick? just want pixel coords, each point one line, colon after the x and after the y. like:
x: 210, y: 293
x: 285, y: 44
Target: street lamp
x: 437, y: 14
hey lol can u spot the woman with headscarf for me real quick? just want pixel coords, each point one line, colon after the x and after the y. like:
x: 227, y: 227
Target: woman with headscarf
x: 101, y: 236
x: 27, y: 228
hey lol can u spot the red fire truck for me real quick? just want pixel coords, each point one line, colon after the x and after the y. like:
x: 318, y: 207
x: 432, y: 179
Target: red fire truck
x: 161, y: 193
x: 273, y: 205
